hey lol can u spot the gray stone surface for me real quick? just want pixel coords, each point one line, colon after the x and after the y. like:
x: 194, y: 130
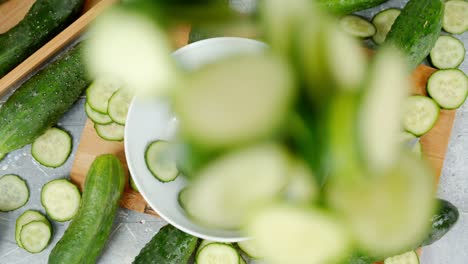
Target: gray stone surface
x: 132, y: 230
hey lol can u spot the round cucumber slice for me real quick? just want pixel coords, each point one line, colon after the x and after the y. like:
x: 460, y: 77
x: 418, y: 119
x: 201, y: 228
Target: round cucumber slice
x: 449, y: 88
x: 53, y: 148
x: 14, y: 193
x: 26, y: 218
x: 357, y: 26
x: 97, y: 117
x: 99, y: 93
x: 119, y: 104
x: 420, y: 114
x: 110, y: 132
x: 161, y: 161
x: 406, y: 258
x: 455, y: 17
x: 218, y: 253
x: 383, y: 22
x: 448, y: 53
x: 35, y: 236
x: 61, y: 199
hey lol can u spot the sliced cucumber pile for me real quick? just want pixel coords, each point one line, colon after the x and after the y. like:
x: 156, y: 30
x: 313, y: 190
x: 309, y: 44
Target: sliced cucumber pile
x: 449, y: 88
x: 420, y: 114
x: 35, y: 236
x: 286, y: 234
x: 97, y: 117
x: 258, y: 172
x: 160, y: 158
x: 110, y: 132
x: 405, y: 258
x: 455, y: 16
x: 218, y: 253
x: 26, y: 218
x: 383, y: 22
x: 99, y: 93
x: 250, y: 248
x: 357, y: 26
x: 212, y: 119
x: 14, y: 193
x: 448, y: 53
x: 53, y: 148
x: 61, y: 199
x: 118, y: 106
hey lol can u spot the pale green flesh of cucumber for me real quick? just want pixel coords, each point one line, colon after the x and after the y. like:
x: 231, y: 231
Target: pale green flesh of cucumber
x: 420, y: 114
x: 99, y: 93
x: 61, y: 199
x: 119, y: 104
x: 406, y: 258
x: 448, y: 53
x: 161, y: 161
x: 35, y: 236
x: 455, y: 16
x: 52, y: 148
x: 26, y: 218
x: 218, y: 253
x: 449, y: 88
x: 110, y: 132
x: 357, y: 26
x: 97, y: 117
x: 14, y: 192
x: 383, y: 22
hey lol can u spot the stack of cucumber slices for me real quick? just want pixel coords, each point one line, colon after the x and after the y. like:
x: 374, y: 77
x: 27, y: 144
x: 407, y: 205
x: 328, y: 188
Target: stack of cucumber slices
x: 107, y: 104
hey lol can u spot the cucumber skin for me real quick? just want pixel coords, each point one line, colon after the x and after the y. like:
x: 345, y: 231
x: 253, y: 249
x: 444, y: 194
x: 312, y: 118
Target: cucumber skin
x: 168, y: 246
x: 417, y: 29
x: 87, y: 234
x: 445, y: 218
x: 41, y: 101
x: 343, y: 7
x: 44, y: 20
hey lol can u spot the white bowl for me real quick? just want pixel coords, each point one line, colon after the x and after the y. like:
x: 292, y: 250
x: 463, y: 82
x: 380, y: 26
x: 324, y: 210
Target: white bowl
x: 152, y: 119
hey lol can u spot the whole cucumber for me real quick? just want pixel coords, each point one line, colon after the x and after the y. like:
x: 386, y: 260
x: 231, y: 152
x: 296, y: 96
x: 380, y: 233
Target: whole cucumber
x: 444, y: 219
x: 168, y: 246
x: 343, y: 7
x: 86, y: 236
x: 44, y: 20
x: 41, y: 101
x: 417, y: 29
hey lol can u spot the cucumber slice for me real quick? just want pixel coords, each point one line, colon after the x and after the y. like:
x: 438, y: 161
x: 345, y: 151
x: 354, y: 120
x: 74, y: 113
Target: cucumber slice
x: 380, y: 129
x: 161, y: 160
x: 110, y: 132
x: 448, y: 88
x: 118, y: 106
x: 448, y: 53
x: 286, y: 234
x: 14, y: 193
x: 133, y: 185
x: 52, y: 148
x: 455, y: 17
x: 406, y: 258
x: 97, y: 117
x: 26, y: 218
x: 357, y: 26
x: 35, y: 236
x: 420, y: 114
x: 209, y: 109
x: 61, y: 199
x: 218, y: 253
x: 99, y: 93
x: 182, y: 198
x: 250, y: 248
x: 383, y: 22
x: 226, y: 190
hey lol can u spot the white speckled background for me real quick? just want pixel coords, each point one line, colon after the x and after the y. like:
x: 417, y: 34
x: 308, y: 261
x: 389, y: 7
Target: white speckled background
x: 131, y: 230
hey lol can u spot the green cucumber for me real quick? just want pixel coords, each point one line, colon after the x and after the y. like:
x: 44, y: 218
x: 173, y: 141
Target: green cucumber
x: 168, y: 246
x: 420, y: 114
x: 456, y: 17
x: 160, y: 160
x: 110, y: 132
x: 348, y: 6
x: 52, y: 148
x: 41, y: 101
x: 417, y: 29
x: 218, y: 253
x: 442, y: 221
x: 357, y: 26
x: 14, y: 192
x: 383, y: 22
x: 44, y: 20
x: 448, y: 88
x: 97, y: 117
x: 86, y: 236
x: 26, y: 218
x: 61, y: 199
x: 35, y: 235
x: 448, y: 53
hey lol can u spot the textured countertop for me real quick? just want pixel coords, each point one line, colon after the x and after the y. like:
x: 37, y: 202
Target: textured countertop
x: 131, y: 230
